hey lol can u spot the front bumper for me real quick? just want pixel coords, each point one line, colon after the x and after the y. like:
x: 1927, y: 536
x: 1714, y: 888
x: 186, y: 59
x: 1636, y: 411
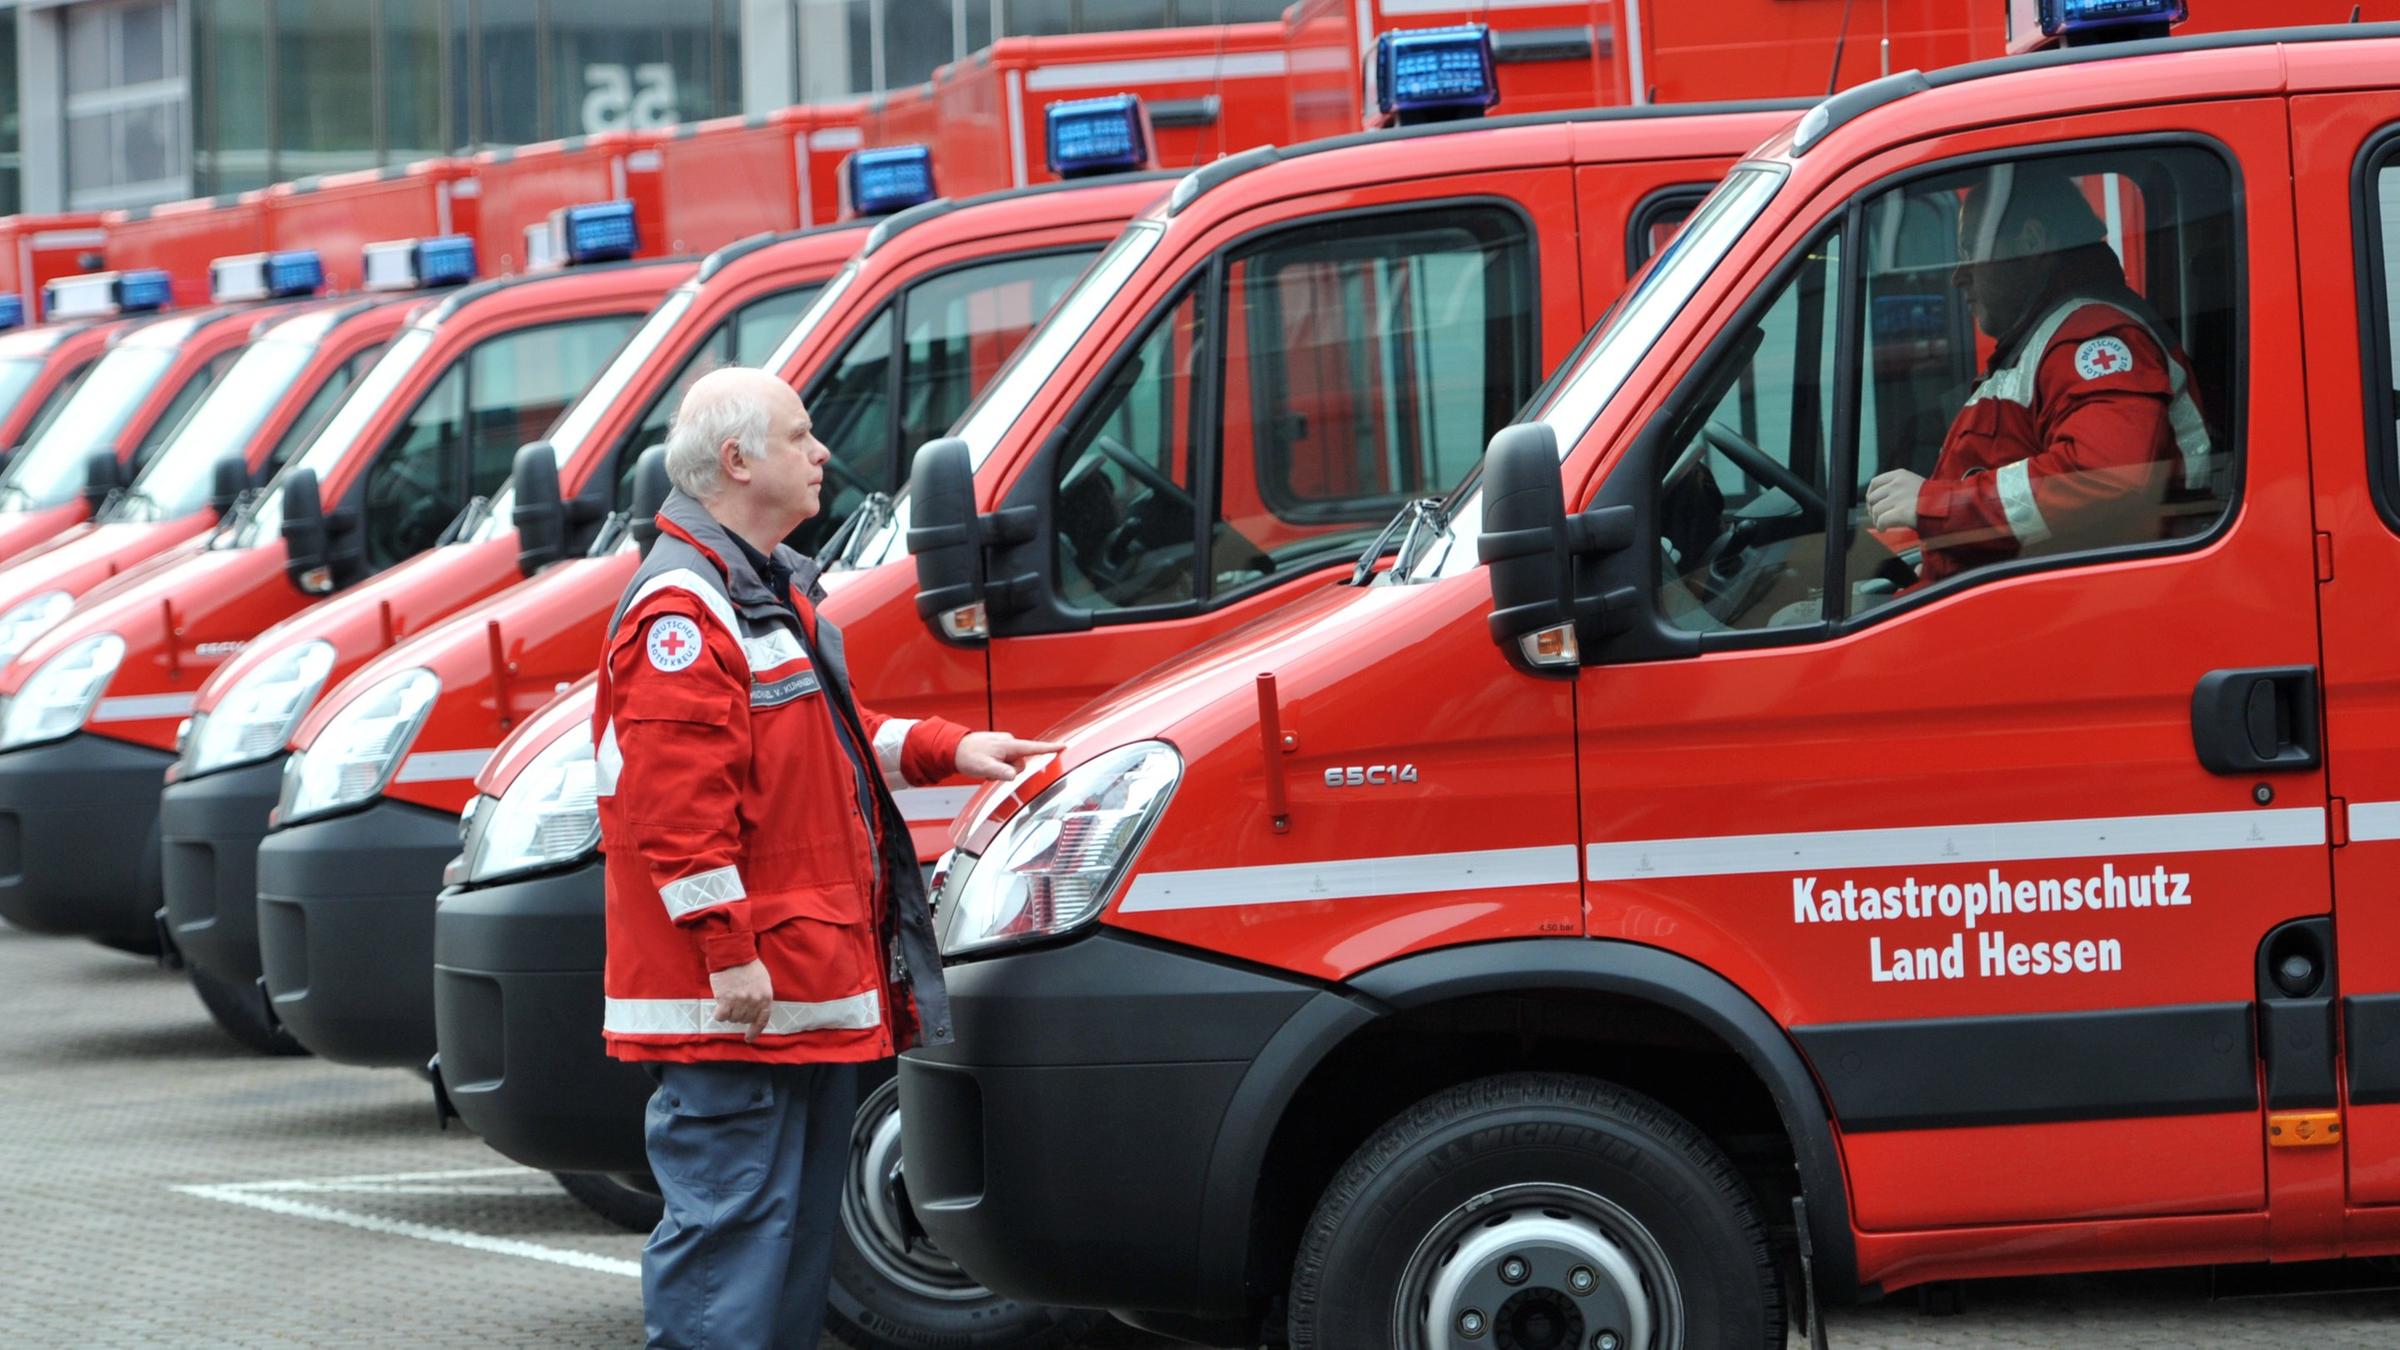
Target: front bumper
x: 79, y: 839
x: 345, y: 930
x: 209, y: 830
x: 1165, y: 1071
x: 516, y: 1007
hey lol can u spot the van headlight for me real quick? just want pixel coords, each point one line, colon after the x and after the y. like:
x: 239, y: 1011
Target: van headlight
x: 359, y: 749
x: 548, y: 816
x: 257, y: 715
x: 1053, y: 865
x: 55, y: 699
x: 29, y: 619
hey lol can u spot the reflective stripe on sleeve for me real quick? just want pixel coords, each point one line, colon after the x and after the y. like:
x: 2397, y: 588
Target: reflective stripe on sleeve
x: 705, y: 890
x: 2016, y: 498
x: 685, y: 579
x: 698, y: 1016
x: 890, y: 739
x: 611, y: 761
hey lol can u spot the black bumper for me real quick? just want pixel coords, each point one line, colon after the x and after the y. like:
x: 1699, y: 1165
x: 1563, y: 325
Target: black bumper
x: 516, y: 1008
x: 79, y: 839
x: 209, y: 829
x: 345, y: 930
x: 1093, y: 1139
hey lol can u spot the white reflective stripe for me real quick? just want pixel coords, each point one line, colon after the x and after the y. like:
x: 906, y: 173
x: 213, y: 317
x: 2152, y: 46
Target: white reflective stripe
x: 1352, y: 878
x: 2016, y: 499
x: 776, y: 648
x: 611, y: 761
x: 890, y: 739
x: 2015, y: 383
x: 834, y: 138
x: 141, y: 706
x: 1158, y: 70
x: 704, y: 890
x: 436, y: 766
x: 920, y: 805
x: 1940, y: 845
x: 2374, y: 820
x: 685, y: 579
x: 698, y: 1016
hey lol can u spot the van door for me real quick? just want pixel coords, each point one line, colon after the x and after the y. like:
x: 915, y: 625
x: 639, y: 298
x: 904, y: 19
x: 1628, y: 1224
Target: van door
x: 2347, y: 165
x: 1310, y: 379
x: 1935, y: 790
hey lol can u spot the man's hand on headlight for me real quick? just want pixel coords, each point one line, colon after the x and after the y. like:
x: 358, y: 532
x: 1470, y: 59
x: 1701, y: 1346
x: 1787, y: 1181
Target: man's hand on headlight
x: 744, y: 996
x: 998, y: 756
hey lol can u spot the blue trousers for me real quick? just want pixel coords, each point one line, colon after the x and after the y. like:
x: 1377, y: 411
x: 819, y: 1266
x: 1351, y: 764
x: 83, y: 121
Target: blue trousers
x: 750, y: 1158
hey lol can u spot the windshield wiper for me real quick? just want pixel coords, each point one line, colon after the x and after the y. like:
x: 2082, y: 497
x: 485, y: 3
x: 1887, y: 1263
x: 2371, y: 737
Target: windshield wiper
x: 1404, y: 523
x: 840, y: 551
x: 469, y: 521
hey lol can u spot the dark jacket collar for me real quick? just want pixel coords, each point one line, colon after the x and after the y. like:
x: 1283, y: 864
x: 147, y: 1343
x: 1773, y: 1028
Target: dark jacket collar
x: 687, y: 518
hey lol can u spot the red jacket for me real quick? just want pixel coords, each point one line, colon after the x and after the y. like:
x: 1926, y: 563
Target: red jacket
x: 2071, y: 442
x: 745, y: 811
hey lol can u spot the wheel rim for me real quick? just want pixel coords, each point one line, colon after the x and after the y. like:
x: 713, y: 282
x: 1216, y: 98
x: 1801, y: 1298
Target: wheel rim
x: 875, y: 1209
x: 1539, y: 1267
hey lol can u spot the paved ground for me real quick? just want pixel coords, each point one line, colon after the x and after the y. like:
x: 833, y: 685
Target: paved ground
x: 161, y: 1187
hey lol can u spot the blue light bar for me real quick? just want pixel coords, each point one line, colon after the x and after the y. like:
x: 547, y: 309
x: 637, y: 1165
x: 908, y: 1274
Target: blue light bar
x: 144, y: 289
x: 12, y: 311
x: 597, y: 231
x: 2067, y: 19
x: 296, y: 271
x: 1429, y: 74
x: 892, y: 178
x: 1088, y: 136
x: 446, y: 260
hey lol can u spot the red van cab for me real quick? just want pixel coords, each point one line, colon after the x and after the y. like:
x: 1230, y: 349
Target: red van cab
x: 1438, y: 272
x: 41, y: 366
x: 938, y: 299
x: 271, y: 400
x: 215, y: 808
x: 1602, y: 908
x: 131, y: 402
x: 94, y: 706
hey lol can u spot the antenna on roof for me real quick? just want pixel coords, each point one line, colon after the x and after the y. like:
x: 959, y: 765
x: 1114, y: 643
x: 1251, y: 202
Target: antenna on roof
x: 2354, y: 13
x: 1841, y: 40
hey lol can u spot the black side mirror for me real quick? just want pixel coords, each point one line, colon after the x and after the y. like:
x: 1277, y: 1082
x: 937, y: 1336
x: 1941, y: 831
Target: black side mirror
x: 228, y: 481
x: 650, y: 489
x: 946, y: 539
x: 1530, y: 544
x: 307, y: 556
x: 102, y: 476
x: 540, y: 517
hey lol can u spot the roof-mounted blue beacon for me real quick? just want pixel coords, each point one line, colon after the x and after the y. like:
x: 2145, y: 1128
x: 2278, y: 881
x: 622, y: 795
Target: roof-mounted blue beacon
x: 1088, y: 137
x: 890, y: 178
x: 1431, y: 75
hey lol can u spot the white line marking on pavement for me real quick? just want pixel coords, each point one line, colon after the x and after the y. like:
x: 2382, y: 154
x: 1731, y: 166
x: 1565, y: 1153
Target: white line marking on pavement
x: 273, y: 1197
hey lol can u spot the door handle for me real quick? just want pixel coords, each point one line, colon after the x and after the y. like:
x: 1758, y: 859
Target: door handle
x: 2261, y: 720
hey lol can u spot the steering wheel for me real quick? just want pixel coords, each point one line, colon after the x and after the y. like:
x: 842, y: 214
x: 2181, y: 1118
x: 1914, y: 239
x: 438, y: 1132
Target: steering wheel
x: 1142, y: 469
x: 1765, y: 467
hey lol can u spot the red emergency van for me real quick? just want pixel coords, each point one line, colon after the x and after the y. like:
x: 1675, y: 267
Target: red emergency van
x: 1670, y: 871
x: 427, y: 435
x: 1386, y: 300
x: 137, y: 395
x: 938, y: 299
x: 339, y: 215
x: 272, y: 399
x: 522, y: 192
x: 35, y: 250
x: 182, y: 239
x: 731, y: 177
x: 742, y: 302
x: 41, y: 366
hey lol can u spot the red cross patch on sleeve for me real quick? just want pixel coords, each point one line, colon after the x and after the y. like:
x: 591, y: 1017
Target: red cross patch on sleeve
x: 673, y: 642
x: 2102, y: 356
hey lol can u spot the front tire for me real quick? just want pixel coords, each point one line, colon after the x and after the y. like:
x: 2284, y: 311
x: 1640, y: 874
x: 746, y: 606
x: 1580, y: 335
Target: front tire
x: 891, y: 1288
x: 1541, y: 1211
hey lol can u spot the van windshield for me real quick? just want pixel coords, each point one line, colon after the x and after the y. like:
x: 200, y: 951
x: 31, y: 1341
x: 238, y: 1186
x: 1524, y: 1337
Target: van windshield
x: 53, y: 467
x: 332, y: 444
x: 178, y: 481
x: 1623, y: 338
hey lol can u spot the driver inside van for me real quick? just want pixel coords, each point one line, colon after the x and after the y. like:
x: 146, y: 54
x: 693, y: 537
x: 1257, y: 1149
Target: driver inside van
x: 2085, y: 421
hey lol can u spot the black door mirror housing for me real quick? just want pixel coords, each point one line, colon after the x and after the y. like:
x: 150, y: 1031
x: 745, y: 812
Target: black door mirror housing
x: 540, y: 516
x: 228, y: 480
x: 946, y: 538
x: 102, y: 475
x: 650, y: 489
x: 307, y: 558
x: 1540, y: 616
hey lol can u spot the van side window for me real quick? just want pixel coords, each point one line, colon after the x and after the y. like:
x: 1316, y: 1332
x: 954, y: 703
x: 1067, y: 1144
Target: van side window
x: 2379, y: 265
x: 179, y: 410
x: 1347, y: 367
x: 744, y: 339
x: 312, y: 418
x: 1656, y: 218
x: 2035, y: 361
x: 462, y: 439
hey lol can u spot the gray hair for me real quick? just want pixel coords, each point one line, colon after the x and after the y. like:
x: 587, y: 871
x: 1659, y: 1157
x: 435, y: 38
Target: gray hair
x: 713, y: 411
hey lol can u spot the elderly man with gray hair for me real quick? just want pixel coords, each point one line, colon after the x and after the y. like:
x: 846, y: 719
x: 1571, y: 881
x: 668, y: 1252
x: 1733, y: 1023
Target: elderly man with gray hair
x: 768, y: 929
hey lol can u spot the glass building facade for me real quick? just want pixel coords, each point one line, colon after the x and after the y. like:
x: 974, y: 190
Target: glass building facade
x: 112, y: 103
